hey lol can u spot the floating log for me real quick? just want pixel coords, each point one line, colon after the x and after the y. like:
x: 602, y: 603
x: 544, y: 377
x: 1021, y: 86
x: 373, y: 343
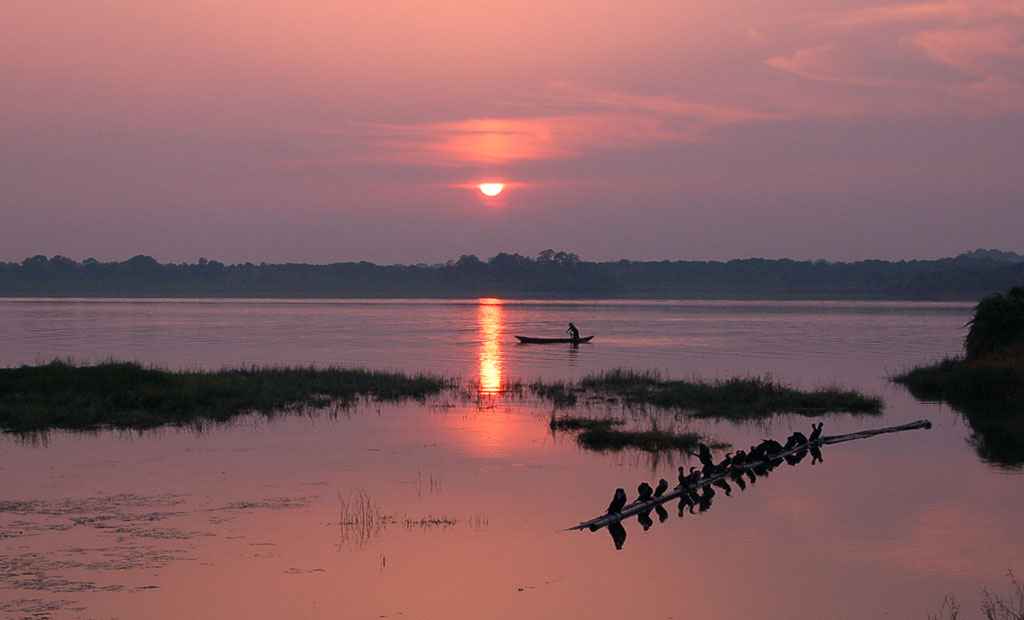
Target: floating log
x: 638, y: 507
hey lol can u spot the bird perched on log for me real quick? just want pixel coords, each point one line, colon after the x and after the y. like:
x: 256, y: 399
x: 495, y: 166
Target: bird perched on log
x: 796, y: 439
x: 618, y: 501
x: 815, y: 431
x: 645, y: 492
x: 705, y: 455
x: 682, y: 475
x: 661, y: 488
x: 771, y: 447
x: 739, y: 458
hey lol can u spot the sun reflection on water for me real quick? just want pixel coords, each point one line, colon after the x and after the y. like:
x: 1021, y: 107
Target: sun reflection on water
x: 491, y: 322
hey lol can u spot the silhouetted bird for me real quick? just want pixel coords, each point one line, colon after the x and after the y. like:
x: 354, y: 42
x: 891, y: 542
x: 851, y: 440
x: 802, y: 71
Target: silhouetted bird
x: 796, y: 439
x: 771, y: 447
x: 618, y: 501
x: 739, y: 458
x: 815, y: 431
x: 662, y: 487
x: 682, y: 476
x: 644, y: 492
x: 705, y: 455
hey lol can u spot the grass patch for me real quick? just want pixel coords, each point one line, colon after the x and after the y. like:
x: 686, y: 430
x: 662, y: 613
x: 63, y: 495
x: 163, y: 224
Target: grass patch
x: 738, y: 398
x: 988, y: 392
x: 64, y: 395
x: 601, y: 434
x: 994, y: 380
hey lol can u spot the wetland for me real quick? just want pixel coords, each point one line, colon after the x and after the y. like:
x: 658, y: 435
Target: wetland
x: 449, y: 504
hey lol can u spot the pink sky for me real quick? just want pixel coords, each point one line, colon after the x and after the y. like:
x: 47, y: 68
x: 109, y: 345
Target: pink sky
x: 321, y: 131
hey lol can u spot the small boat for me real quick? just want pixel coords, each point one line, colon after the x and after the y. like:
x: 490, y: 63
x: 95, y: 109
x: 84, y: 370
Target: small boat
x: 528, y: 340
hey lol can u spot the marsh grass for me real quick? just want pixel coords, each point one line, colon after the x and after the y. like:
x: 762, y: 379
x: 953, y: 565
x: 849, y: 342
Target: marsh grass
x: 66, y: 395
x: 602, y: 434
x: 737, y: 398
x: 962, y: 381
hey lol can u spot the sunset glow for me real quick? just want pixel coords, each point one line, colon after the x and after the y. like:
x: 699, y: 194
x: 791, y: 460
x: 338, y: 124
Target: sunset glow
x: 491, y: 189
x: 661, y: 130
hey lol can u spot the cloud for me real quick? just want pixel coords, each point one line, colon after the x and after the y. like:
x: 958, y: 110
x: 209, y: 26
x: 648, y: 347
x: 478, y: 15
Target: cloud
x: 919, y: 58
x: 573, y: 122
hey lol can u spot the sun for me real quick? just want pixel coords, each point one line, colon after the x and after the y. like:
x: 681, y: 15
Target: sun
x: 491, y: 189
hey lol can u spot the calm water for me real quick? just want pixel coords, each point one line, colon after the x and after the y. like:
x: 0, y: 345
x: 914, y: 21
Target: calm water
x: 245, y: 520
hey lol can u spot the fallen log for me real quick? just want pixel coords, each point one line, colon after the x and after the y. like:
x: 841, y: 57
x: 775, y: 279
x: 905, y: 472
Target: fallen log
x: 639, y: 507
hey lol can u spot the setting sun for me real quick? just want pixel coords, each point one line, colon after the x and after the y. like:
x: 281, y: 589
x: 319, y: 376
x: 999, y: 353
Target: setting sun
x: 491, y: 189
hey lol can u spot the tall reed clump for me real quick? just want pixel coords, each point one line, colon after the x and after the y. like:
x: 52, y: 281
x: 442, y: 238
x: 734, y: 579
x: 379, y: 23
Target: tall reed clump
x: 66, y: 395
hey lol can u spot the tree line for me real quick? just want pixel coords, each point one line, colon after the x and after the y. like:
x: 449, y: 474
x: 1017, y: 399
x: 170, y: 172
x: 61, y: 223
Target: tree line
x: 551, y: 274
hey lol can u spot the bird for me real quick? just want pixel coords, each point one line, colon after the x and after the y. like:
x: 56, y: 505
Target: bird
x: 662, y: 487
x: 644, y: 492
x: 682, y: 475
x: 739, y: 458
x: 771, y: 447
x: 815, y: 431
x: 618, y: 501
x: 705, y: 455
x: 796, y: 439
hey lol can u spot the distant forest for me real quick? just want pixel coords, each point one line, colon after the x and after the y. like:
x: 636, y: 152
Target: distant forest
x: 551, y: 275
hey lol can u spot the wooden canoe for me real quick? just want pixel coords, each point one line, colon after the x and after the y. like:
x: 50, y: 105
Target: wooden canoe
x: 529, y: 340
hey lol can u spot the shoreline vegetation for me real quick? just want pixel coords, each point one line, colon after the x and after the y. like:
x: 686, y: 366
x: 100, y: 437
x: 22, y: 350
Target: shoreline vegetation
x: 127, y: 395
x: 551, y: 275
x: 986, y: 383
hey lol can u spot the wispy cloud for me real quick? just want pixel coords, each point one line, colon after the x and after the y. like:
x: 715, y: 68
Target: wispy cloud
x: 953, y: 56
x: 573, y: 121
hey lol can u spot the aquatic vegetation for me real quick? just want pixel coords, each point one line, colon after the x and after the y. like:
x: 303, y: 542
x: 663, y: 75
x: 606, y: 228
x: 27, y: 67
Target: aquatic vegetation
x: 986, y: 384
x: 601, y: 434
x: 735, y: 398
x: 66, y: 395
x: 993, y: 606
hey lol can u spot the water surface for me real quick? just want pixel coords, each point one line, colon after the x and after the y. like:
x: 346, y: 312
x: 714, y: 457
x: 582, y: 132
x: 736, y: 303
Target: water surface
x: 245, y: 519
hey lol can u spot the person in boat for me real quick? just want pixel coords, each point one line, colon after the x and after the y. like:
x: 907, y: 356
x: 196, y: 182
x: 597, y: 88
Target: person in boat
x: 573, y: 332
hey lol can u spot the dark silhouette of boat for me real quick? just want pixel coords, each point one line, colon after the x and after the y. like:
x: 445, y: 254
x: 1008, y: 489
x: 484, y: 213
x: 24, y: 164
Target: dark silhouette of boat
x: 529, y: 340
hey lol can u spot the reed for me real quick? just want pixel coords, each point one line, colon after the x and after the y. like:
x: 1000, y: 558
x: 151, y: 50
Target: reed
x: 66, y: 395
x: 737, y: 398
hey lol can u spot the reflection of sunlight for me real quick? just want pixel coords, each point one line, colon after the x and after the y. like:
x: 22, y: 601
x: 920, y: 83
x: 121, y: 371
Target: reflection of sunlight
x: 491, y: 321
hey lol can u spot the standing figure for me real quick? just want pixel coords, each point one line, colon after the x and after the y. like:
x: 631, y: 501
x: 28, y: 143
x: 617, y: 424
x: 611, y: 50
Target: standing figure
x: 573, y: 332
